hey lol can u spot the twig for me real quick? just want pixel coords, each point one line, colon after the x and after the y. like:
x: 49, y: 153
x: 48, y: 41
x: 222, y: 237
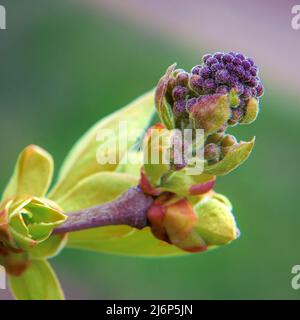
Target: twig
x: 129, y: 209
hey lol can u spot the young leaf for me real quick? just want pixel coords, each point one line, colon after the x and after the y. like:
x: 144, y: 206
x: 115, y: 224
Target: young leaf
x: 136, y: 243
x: 32, y: 175
x: 38, y: 282
x: 97, y: 189
x: 31, y: 221
x: 82, y: 161
x: 48, y: 248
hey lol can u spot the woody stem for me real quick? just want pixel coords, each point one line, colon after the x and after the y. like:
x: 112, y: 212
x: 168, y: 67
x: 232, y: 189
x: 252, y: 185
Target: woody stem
x: 129, y: 209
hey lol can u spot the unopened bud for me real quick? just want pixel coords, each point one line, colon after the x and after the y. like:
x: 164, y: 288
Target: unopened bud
x: 212, y: 152
x: 193, y: 228
x: 228, y: 141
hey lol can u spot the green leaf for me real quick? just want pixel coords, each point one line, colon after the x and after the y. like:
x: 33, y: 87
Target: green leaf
x: 97, y: 189
x: 32, y: 175
x: 235, y: 156
x: 133, y: 167
x: 137, y: 243
x: 48, y: 248
x: 31, y: 220
x: 82, y: 160
x: 38, y: 282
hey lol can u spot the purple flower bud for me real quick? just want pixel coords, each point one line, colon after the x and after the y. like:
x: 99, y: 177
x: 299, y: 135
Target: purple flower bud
x: 247, y: 93
x: 179, y: 93
x: 205, y: 57
x: 240, y: 56
x: 247, y: 76
x: 222, y: 90
x: 227, y: 58
x: 253, y: 92
x: 230, y: 67
x: 259, y: 90
x: 239, y: 71
x: 222, y: 76
x: 179, y: 108
x: 253, y: 71
x: 252, y: 82
x: 232, y: 75
x: 196, y: 83
x: 196, y: 69
x: 246, y: 64
x: 205, y: 72
x: 236, y: 61
x: 209, y: 85
x: 211, y: 61
x: 216, y: 66
x: 233, y: 81
x: 190, y: 103
x: 218, y: 56
x: 182, y: 79
x: 250, y: 61
x: 212, y: 152
x: 237, y: 114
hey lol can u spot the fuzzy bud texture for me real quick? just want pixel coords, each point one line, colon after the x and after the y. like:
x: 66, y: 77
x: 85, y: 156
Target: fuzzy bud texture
x: 221, y: 73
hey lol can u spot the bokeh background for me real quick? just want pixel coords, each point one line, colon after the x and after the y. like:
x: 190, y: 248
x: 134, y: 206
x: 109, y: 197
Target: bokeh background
x: 67, y: 63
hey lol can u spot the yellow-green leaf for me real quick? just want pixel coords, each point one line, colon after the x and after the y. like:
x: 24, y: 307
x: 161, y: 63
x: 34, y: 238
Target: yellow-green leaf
x: 235, y: 156
x: 82, y: 160
x: 32, y: 175
x: 31, y: 220
x: 137, y: 243
x: 48, y: 248
x: 97, y: 189
x: 38, y: 282
x: 133, y: 167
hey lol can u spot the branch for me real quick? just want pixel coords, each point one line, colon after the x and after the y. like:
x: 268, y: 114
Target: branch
x: 129, y: 209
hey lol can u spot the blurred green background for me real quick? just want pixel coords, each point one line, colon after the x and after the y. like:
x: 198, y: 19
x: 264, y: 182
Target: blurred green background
x: 63, y: 67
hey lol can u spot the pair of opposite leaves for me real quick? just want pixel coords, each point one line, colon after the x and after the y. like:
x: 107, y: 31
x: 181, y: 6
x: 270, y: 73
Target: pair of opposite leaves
x: 83, y: 183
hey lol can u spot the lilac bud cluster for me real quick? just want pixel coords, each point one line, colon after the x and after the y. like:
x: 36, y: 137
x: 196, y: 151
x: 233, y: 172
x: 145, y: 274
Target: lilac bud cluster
x: 219, y: 73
